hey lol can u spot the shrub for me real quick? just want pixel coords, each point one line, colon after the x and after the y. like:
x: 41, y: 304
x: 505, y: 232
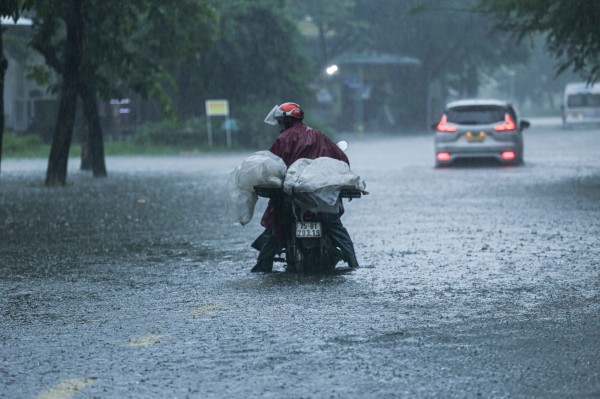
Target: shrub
x: 254, y: 132
x: 167, y: 133
x: 149, y: 133
x: 29, y: 144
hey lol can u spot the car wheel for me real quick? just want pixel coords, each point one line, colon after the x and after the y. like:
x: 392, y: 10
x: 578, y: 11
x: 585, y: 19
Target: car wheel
x: 518, y: 159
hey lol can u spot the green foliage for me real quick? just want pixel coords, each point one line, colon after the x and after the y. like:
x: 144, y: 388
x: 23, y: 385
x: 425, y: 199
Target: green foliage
x: 172, y: 137
x: 171, y: 133
x: 128, y: 45
x: 451, y: 38
x: 10, y: 8
x: 24, y: 145
x: 193, y: 134
x: 417, y: 8
x: 180, y: 54
x: 536, y: 80
x: 255, y: 133
x: 335, y: 26
x: 255, y: 58
x: 571, y: 28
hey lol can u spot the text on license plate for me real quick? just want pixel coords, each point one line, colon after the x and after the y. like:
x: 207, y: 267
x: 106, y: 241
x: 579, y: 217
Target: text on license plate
x: 475, y: 137
x: 308, y: 229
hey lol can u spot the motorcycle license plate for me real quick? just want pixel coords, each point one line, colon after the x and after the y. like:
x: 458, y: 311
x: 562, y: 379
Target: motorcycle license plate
x: 308, y: 229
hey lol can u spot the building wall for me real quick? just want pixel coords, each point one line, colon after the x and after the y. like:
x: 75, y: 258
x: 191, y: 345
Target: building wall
x: 24, y: 98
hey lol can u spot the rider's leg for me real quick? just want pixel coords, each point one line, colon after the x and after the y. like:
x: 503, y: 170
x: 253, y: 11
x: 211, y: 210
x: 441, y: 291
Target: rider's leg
x: 264, y: 263
x: 341, y: 239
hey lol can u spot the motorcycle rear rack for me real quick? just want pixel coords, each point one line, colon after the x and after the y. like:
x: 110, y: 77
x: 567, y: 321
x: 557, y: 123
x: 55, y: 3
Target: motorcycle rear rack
x: 266, y: 191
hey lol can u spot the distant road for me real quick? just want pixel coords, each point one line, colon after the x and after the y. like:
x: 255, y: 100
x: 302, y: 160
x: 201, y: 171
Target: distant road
x: 476, y: 280
x: 545, y: 121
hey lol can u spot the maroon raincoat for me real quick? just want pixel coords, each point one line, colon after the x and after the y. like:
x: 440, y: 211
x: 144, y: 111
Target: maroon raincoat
x: 301, y: 141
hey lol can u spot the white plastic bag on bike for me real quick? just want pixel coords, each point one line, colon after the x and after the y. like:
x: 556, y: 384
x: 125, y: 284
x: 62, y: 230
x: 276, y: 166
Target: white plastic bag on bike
x: 260, y: 168
x: 316, y: 183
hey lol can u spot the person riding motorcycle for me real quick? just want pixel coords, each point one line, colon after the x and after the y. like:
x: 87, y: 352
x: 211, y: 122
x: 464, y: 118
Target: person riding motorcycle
x: 296, y: 140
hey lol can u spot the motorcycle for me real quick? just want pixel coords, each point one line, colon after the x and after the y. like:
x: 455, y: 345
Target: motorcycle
x: 307, y: 244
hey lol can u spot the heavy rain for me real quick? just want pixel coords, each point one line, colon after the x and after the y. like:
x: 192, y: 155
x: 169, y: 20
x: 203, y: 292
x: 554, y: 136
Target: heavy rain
x: 124, y: 274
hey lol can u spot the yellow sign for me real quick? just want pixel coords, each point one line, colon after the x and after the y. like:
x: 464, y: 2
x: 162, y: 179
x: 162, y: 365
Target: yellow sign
x: 217, y: 107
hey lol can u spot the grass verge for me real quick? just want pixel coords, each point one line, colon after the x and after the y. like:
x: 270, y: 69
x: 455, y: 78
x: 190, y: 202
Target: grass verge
x: 31, y: 146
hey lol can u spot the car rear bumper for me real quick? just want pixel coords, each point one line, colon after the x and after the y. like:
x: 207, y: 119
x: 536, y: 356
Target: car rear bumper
x: 491, y: 149
x: 581, y: 121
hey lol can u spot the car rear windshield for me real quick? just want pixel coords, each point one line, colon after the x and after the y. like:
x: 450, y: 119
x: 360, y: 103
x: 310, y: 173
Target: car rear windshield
x: 584, y: 100
x: 475, y: 114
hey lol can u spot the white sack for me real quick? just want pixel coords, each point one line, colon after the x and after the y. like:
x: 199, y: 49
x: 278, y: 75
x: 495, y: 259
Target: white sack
x: 262, y: 167
x: 316, y: 183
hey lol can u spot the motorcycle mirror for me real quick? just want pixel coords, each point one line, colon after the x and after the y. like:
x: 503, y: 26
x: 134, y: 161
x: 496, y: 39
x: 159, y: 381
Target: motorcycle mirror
x: 342, y: 145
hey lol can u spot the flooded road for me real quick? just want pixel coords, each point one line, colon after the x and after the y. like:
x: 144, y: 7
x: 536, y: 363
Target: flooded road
x: 477, y: 280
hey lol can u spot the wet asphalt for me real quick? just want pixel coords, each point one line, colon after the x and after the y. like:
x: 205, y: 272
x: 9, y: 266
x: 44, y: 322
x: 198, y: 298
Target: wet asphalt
x: 478, y: 280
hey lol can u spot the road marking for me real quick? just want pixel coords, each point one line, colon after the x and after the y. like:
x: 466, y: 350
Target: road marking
x: 207, y: 309
x: 66, y: 389
x: 145, y: 340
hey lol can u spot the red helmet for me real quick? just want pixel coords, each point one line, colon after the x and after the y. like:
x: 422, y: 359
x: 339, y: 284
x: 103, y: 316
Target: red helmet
x: 292, y: 110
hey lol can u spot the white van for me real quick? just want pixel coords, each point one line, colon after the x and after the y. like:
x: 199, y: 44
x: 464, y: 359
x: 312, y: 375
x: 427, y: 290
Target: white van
x: 581, y: 104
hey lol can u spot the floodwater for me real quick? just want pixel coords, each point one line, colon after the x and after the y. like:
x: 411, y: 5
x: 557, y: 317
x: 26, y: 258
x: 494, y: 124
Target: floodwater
x: 478, y: 280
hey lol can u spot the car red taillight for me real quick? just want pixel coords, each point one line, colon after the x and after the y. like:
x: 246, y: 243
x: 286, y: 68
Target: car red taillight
x: 444, y: 127
x: 508, y: 124
x: 443, y: 156
x: 508, y: 155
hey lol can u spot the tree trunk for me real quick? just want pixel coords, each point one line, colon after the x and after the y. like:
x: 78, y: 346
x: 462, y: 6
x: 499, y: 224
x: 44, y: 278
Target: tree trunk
x: 3, y: 67
x: 86, y: 157
x: 470, y: 83
x: 61, y: 142
x: 323, y: 45
x: 551, y: 99
x: 94, y: 138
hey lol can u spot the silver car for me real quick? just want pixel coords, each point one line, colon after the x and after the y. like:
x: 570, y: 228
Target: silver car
x: 479, y: 129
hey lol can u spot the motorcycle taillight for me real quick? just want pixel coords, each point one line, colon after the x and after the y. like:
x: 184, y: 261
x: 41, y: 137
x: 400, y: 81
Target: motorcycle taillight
x: 308, y: 213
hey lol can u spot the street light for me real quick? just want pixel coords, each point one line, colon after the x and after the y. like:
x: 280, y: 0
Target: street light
x: 332, y: 69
